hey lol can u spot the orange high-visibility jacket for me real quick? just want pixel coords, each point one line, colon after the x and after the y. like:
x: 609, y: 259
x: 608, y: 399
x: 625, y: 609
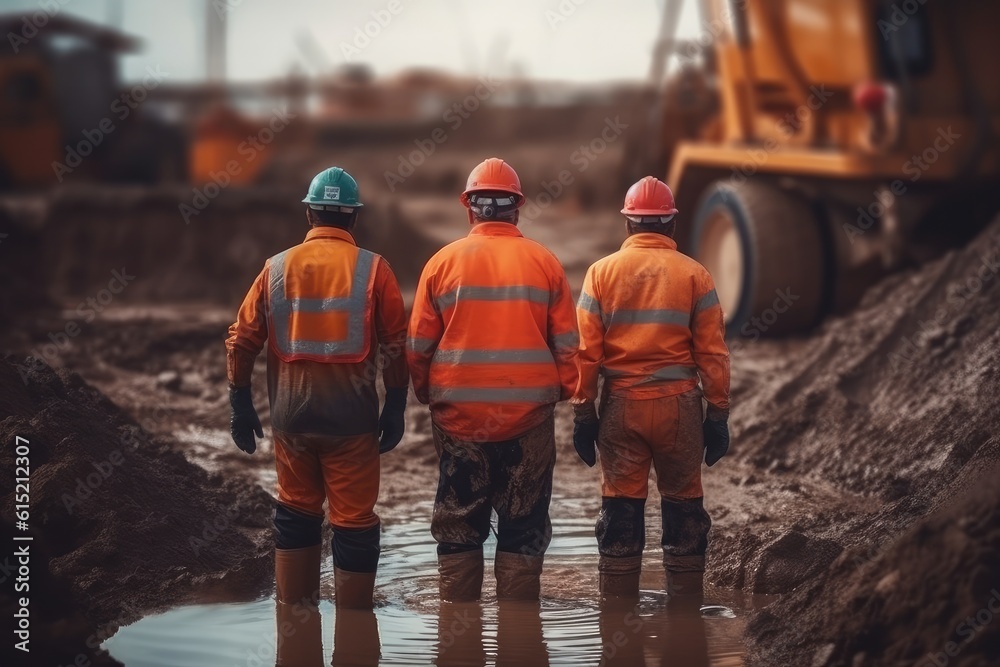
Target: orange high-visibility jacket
x: 651, y: 323
x: 492, y: 339
x: 325, y: 308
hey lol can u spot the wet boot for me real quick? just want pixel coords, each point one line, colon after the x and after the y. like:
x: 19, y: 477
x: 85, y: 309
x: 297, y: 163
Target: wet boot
x: 619, y: 577
x: 353, y: 590
x: 518, y: 576
x: 460, y: 576
x: 297, y: 581
x: 685, y: 580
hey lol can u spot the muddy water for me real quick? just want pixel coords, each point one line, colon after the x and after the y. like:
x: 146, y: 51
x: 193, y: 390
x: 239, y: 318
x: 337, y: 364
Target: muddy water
x: 410, y: 627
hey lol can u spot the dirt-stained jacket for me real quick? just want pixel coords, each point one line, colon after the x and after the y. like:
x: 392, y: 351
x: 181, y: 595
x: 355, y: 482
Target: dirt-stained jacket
x: 325, y: 308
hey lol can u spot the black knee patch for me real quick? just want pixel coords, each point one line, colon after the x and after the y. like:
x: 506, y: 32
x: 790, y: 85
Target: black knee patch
x: 621, y: 527
x: 296, y: 530
x: 685, y: 527
x: 356, y: 550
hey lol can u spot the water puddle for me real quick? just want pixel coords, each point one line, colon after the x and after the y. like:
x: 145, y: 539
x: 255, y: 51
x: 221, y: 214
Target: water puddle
x: 411, y: 627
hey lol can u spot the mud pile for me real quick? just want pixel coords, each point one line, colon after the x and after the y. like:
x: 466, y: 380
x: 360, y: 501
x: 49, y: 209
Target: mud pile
x: 932, y: 598
x: 113, y: 510
x: 897, y: 406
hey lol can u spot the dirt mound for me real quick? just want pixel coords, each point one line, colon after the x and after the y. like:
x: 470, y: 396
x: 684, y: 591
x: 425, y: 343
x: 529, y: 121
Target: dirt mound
x: 899, y: 405
x: 885, y: 401
x: 929, y: 599
x: 113, y: 510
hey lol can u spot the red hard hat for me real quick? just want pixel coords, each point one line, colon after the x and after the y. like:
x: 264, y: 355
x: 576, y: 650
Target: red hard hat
x: 650, y: 196
x: 870, y: 97
x: 495, y: 175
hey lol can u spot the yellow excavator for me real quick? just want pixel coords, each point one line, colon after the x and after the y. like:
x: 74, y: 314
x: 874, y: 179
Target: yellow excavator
x: 817, y: 144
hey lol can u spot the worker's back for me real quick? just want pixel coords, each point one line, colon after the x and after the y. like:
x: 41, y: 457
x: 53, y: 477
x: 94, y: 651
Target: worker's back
x: 487, y: 300
x: 646, y: 297
x: 324, y: 305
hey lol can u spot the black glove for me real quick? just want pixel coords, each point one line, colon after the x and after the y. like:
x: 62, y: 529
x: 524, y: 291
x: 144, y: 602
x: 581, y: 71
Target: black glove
x: 244, y: 421
x: 585, y: 441
x: 585, y: 428
x: 716, y: 432
x: 390, y: 423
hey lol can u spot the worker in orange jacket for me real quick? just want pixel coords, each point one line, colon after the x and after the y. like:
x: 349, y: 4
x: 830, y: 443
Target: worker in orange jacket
x: 651, y: 324
x: 492, y: 347
x: 326, y: 308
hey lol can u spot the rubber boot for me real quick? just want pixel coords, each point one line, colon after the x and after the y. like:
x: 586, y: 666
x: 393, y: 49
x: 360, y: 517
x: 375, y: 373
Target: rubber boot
x: 688, y: 584
x: 619, y: 577
x: 686, y: 590
x: 297, y: 580
x: 518, y: 576
x: 460, y: 576
x: 353, y: 590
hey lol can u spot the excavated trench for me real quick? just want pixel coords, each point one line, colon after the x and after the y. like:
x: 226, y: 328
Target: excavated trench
x: 857, y: 490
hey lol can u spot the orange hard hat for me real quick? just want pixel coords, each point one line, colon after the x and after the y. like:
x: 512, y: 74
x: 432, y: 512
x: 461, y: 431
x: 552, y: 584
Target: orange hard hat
x: 495, y: 175
x: 650, y: 196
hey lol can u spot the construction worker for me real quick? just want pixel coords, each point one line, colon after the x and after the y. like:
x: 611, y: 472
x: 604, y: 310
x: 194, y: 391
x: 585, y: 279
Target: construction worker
x: 651, y: 324
x: 492, y: 347
x: 326, y: 308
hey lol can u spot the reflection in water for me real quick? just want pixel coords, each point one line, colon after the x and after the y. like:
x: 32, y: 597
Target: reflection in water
x: 520, y: 640
x: 460, y: 634
x: 410, y: 627
x: 682, y: 640
x: 299, y: 634
x: 622, y: 629
x: 355, y: 638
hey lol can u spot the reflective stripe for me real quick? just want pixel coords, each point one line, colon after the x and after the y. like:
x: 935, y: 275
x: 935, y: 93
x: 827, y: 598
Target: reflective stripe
x: 495, y: 394
x: 710, y: 299
x: 589, y: 304
x: 421, y: 345
x: 354, y: 306
x: 320, y: 305
x: 652, y: 316
x: 493, y: 356
x: 671, y: 372
x: 566, y: 342
x: 502, y: 293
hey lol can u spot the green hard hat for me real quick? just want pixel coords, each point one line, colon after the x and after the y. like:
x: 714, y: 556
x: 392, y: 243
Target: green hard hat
x: 331, y: 189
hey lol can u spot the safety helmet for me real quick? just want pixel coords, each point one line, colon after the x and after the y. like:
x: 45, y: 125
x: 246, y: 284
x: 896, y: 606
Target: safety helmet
x: 333, y: 189
x: 649, y: 197
x: 495, y: 176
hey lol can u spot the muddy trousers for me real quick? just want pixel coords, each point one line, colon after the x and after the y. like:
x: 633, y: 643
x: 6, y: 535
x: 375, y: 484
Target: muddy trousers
x: 513, y: 477
x: 665, y: 434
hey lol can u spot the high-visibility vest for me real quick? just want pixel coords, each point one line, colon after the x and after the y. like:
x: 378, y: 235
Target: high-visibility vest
x: 323, y: 312
x: 651, y: 324
x: 492, y: 338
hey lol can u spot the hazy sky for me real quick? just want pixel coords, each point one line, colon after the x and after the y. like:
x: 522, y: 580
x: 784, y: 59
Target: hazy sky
x: 596, y: 40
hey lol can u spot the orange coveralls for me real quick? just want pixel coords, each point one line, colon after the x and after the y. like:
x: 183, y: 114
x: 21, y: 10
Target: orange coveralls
x: 325, y: 308
x: 651, y: 324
